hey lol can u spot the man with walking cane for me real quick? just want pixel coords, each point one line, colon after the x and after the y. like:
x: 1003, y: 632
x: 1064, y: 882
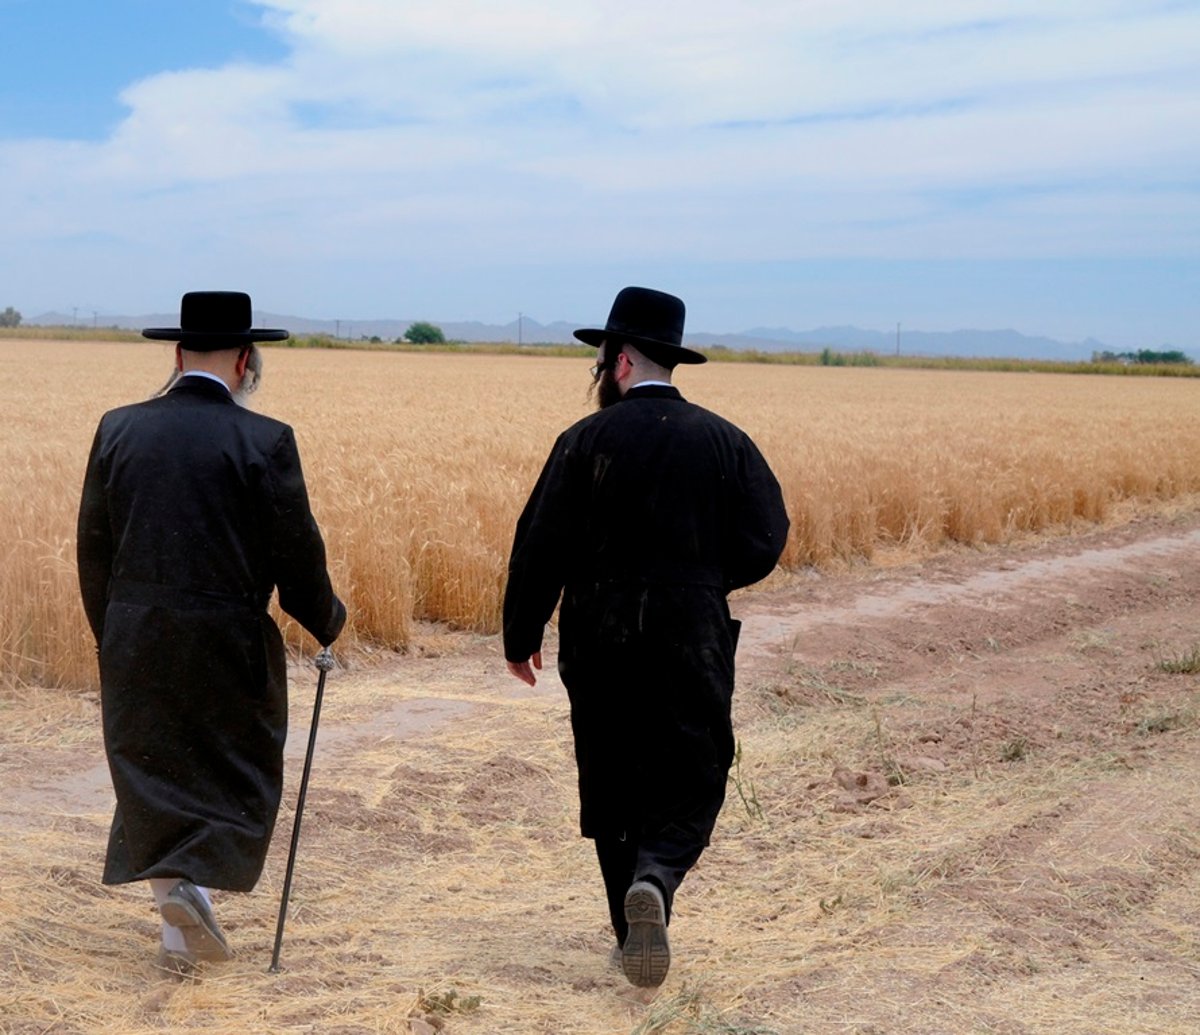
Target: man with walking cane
x: 194, y: 509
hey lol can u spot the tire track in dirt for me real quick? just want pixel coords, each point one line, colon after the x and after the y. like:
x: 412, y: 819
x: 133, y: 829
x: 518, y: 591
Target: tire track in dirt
x: 1008, y: 584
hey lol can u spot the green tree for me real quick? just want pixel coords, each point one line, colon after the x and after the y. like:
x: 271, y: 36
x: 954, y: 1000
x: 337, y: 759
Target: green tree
x: 422, y: 333
x: 1173, y: 357
x: 1165, y: 356
x: 10, y: 318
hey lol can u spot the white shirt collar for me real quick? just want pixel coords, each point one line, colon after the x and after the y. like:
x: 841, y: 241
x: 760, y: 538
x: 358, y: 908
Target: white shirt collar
x: 205, y: 373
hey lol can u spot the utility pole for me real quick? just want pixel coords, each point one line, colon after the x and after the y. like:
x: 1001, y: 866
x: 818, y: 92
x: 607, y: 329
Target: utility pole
x: 337, y: 328
x: 520, y: 329
x: 897, y: 337
x: 74, y: 311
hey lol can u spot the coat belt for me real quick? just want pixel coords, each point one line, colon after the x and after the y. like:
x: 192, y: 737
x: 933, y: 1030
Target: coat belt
x: 676, y: 575
x: 182, y: 598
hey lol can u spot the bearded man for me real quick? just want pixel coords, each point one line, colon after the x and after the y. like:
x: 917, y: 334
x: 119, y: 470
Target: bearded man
x: 193, y: 510
x: 646, y: 514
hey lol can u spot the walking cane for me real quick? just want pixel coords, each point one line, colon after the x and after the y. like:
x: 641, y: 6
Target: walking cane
x: 324, y: 662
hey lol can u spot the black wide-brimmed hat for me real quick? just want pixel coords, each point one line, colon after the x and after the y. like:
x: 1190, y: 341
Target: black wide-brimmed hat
x: 212, y: 320
x: 651, y: 321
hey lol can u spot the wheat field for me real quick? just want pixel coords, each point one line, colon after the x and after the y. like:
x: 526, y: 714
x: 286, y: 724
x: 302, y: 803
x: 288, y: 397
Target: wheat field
x: 418, y: 465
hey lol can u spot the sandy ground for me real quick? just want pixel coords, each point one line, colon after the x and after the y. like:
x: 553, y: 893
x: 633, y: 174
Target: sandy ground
x: 967, y: 800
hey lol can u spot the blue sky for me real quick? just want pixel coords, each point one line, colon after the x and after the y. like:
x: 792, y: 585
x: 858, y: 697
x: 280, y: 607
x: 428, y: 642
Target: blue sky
x: 783, y: 163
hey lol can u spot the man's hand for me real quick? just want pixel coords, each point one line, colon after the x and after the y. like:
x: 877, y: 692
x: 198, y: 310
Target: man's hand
x: 523, y: 670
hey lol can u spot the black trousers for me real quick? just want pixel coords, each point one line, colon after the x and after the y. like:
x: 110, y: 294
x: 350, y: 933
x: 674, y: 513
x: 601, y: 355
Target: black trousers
x: 664, y: 856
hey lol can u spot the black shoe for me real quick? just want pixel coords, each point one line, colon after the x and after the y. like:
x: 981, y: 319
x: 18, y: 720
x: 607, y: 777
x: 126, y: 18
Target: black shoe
x: 186, y: 909
x: 646, y: 954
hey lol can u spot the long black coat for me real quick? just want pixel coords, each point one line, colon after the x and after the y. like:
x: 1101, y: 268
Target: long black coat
x: 646, y: 514
x: 193, y: 510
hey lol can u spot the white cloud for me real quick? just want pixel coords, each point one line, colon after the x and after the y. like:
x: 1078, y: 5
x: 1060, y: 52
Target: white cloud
x: 686, y: 64
x: 781, y: 129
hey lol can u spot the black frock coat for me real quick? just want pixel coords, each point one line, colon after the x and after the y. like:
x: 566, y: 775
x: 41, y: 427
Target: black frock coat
x: 646, y: 514
x: 193, y: 510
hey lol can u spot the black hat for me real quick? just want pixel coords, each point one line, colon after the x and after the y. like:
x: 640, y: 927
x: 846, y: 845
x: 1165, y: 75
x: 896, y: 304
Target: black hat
x: 212, y: 320
x: 650, y: 321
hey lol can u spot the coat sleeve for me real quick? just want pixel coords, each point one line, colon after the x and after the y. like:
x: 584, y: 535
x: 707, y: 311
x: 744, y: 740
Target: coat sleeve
x: 298, y: 563
x: 94, y: 542
x: 537, y: 567
x: 758, y: 521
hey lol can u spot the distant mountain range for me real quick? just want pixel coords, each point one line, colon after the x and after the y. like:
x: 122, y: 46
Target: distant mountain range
x: 1004, y: 344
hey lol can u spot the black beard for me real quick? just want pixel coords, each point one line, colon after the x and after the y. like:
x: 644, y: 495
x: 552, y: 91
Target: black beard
x: 606, y: 389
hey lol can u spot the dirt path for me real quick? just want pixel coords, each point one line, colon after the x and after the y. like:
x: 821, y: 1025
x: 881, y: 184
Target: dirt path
x: 968, y: 800
x: 1029, y: 685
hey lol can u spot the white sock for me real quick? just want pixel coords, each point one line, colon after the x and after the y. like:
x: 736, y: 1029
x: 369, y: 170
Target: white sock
x: 160, y: 887
x: 172, y: 938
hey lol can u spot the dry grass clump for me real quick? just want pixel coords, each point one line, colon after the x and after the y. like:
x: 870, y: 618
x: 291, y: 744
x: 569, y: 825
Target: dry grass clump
x: 418, y: 465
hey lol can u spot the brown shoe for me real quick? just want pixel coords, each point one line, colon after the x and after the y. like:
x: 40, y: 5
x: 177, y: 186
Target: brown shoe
x: 646, y: 954
x: 186, y: 909
x: 178, y: 963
